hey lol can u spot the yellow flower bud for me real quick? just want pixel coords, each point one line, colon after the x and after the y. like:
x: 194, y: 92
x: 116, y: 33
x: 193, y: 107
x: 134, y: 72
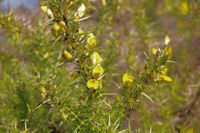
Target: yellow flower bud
x: 162, y: 76
x: 104, y: 3
x: 43, y: 92
x: 96, y: 58
x: 67, y: 55
x: 46, y: 55
x: 94, y: 84
x: 46, y: 10
x: 81, y: 10
x: 127, y: 79
x: 91, y: 41
x: 168, y: 52
x: 117, y: 97
x: 54, y: 32
x: 69, y: 46
x: 73, y: 75
x: 154, y: 50
x: 184, y: 8
x: 62, y: 26
x: 63, y: 115
x: 42, y: 89
x: 97, y: 71
x: 167, y: 40
x: 80, y: 31
x: 56, y: 26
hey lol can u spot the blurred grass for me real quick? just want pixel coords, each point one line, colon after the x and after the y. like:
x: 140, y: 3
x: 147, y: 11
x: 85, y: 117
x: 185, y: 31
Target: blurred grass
x: 124, y: 30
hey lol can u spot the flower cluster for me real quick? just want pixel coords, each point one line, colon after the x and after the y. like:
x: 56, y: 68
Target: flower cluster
x: 160, y: 57
x: 97, y: 72
x: 155, y: 70
x: 79, y: 45
x: 128, y: 79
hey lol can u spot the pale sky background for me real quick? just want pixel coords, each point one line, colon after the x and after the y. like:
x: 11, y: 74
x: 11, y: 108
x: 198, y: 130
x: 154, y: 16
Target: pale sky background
x: 28, y: 4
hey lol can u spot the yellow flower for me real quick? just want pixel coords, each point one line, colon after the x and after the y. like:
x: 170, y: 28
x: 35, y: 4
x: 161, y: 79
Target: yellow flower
x: 162, y: 76
x: 80, y: 31
x: 46, y: 55
x: 167, y: 40
x: 67, y: 55
x: 117, y: 97
x: 91, y: 41
x: 127, y: 79
x: 154, y: 50
x: 104, y: 3
x: 185, y: 8
x: 81, y: 10
x: 62, y: 25
x: 46, y: 10
x: 54, y: 32
x: 73, y: 75
x: 168, y: 52
x: 164, y: 71
x: 97, y: 71
x: 63, y: 115
x: 56, y: 26
x: 69, y: 46
x: 96, y: 58
x: 43, y: 92
x: 94, y: 84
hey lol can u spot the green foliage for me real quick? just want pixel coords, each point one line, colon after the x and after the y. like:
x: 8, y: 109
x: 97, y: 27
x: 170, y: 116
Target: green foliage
x: 100, y: 66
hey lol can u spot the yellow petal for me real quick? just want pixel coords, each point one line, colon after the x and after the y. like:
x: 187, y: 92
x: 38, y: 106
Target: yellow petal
x: 127, y: 79
x: 169, y: 52
x: 96, y: 58
x: 104, y: 3
x: 185, y: 8
x: 54, y: 32
x: 153, y: 50
x: 67, y: 55
x: 63, y: 115
x: 98, y: 71
x: 62, y: 25
x: 69, y: 46
x: 46, y: 10
x: 56, y: 26
x: 161, y: 77
x: 167, y: 79
x: 117, y: 97
x: 182, y: 131
x: 164, y: 71
x: 167, y: 40
x: 43, y: 95
x: 94, y: 84
x: 73, y: 75
x: 91, y: 41
x: 190, y: 130
x: 43, y: 92
x: 81, y: 10
x: 80, y: 31
x: 42, y: 89
x: 46, y: 55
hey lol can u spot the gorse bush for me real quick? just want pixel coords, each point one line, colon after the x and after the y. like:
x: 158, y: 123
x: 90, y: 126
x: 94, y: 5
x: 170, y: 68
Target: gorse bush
x: 72, y: 70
